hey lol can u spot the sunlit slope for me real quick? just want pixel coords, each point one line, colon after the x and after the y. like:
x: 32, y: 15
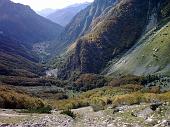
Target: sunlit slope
x: 152, y: 56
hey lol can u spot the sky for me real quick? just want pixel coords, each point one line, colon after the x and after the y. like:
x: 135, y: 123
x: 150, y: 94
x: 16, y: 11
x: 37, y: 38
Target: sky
x: 38, y: 5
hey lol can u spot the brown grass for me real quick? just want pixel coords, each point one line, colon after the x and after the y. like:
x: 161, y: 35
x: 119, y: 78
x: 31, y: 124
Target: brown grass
x: 125, y: 95
x: 10, y: 98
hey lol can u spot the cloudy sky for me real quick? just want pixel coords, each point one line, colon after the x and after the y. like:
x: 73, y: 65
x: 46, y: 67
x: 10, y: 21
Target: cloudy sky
x: 38, y: 5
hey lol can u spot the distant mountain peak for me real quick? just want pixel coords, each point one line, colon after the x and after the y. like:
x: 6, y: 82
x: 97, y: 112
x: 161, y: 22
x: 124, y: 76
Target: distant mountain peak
x: 78, y: 4
x: 22, y: 23
x: 65, y: 15
x: 45, y: 12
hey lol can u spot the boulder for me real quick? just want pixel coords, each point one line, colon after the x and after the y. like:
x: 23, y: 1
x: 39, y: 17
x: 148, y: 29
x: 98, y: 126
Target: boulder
x: 155, y: 105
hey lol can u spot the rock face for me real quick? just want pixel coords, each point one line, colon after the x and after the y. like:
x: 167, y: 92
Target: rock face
x: 81, y: 22
x: 110, y: 33
x: 22, y: 23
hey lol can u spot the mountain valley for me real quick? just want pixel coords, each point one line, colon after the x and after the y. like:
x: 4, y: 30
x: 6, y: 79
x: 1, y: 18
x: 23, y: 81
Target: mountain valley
x: 108, y: 66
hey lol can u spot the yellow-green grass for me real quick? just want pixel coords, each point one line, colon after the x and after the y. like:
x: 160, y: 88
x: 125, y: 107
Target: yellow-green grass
x: 114, y: 96
x: 152, y: 56
x: 14, y: 99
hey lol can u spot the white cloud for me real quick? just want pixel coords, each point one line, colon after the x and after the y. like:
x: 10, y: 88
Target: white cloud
x: 55, y: 4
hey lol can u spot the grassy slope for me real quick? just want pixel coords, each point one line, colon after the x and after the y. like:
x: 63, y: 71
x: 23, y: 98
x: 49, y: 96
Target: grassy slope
x: 11, y: 98
x: 17, y: 65
x: 152, y: 56
x: 16, y: 59
x: 100, y: 98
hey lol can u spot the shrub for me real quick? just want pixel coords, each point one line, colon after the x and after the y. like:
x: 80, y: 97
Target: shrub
x: 132, y: 87
x: 26, y: 81
x: 165, y: 96
x: 97, y: 108
x: 116, y: 96
x: 88, y: 81
x: 10, y: 98
x: 45, y: 109
x: 127, y: 79
x: 69, y: 113
x: 155, y: 89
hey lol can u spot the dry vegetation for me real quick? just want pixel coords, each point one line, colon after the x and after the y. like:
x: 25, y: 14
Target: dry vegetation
x: 26, y: 81
x: 14, y: 99
x: 86, y: 90
x: 127, y: 90
x: 103, y: 101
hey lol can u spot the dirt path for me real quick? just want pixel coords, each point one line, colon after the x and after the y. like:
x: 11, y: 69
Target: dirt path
x: 124, y: 116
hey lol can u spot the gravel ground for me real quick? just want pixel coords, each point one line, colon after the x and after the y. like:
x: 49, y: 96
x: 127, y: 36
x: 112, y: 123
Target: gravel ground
x: 124, y: 116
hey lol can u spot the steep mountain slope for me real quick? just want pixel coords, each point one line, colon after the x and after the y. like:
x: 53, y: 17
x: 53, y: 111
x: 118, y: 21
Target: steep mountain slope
x: 65, y: 15
x: 79, y: 25
x: 16, y: 59
x: 112, y: 33
x: 81, y: 22
x: 20, y: 29
x: 152, y: 56
x: 23, y: 24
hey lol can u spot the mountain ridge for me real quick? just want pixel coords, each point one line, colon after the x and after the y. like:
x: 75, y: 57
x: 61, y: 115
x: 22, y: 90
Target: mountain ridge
x: 118, y: 30
x: 65, y: 15
x: 20, y: 28
x: 81, y: 22
x: 110, y: 66
x: 15, y: 18
x: 46, y: 12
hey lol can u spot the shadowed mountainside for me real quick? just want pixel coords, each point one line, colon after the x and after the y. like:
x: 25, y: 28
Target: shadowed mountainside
x: 23, y: 24
x: 16, y: 59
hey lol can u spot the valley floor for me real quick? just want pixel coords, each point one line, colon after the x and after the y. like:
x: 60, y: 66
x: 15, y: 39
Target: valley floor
x: 123, y: 116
